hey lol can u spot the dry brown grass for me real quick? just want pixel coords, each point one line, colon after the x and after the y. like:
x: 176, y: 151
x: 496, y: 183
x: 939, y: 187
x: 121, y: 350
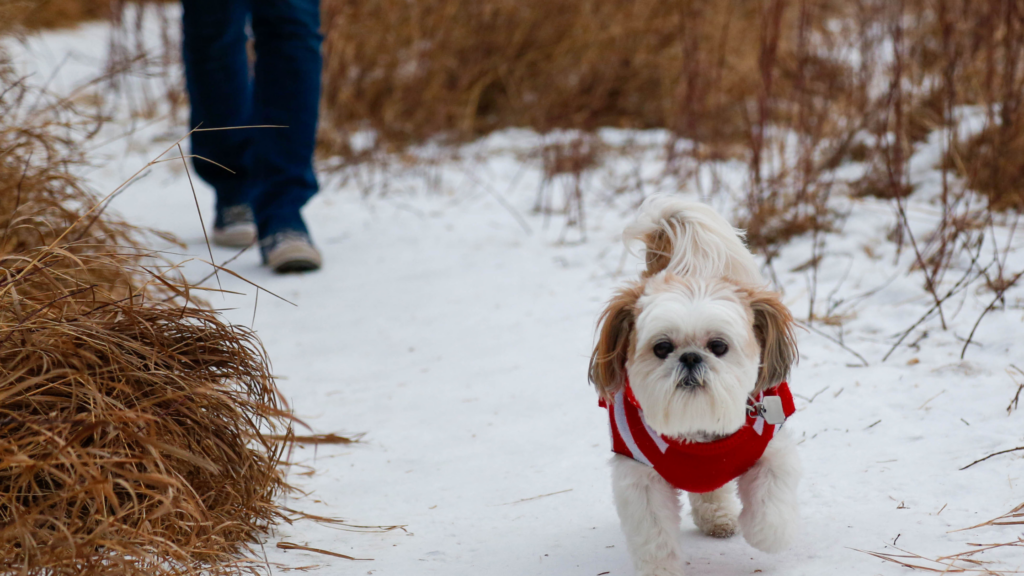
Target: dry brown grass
x: 48, y: 14
x: 720, y: 73
x: 993, y: 163
x: 42, y: 14
x: 724, y: 74
x: 969, y: 560
x: 415, y: 70
x: 793, y: 88
x: 132, y: 438
x: 139, y: 434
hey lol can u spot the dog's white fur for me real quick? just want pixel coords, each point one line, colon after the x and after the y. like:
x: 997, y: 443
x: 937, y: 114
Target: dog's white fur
x: 690, y: 314
x: 704, y: 245
x: 704, y: 289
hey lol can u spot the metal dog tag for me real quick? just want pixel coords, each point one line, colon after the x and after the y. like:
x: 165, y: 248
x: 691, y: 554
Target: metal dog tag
x: 771, y: 410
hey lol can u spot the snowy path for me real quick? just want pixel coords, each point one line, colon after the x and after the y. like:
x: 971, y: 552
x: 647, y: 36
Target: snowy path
x: 459, y: 344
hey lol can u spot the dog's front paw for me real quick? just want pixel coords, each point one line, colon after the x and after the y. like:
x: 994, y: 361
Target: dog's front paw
x: 767, y: 532
x: 721, y: 527
x: 715, y: 513
x: 716, y: 519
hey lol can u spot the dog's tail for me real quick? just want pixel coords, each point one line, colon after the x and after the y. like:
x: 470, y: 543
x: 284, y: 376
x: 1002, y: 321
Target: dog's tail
x: 690, y: 238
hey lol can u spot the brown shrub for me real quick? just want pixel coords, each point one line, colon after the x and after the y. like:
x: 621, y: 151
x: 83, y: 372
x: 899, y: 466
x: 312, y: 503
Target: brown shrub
x: 138, y: 432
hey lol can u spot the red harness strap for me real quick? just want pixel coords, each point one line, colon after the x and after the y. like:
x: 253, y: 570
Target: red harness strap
x: 692, y: 466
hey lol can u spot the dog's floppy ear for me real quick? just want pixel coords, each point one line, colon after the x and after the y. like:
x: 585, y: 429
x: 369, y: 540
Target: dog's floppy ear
x: 773, y: 327
x: 608, y: 362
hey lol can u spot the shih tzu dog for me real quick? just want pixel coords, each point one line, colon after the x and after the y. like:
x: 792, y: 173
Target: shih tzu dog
x: 691, y: 362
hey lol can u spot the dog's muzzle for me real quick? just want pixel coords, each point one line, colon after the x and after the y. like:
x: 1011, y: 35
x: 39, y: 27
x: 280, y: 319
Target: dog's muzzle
x: 691, y: 377
x: 691, y: 370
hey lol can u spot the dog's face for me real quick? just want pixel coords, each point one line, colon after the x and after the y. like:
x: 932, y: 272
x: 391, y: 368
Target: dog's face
x: 694, y: 350
x: 695, y: 358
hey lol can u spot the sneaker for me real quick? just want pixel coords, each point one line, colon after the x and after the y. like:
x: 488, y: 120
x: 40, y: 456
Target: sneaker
x: 290, y: 251
x: 235, y: 227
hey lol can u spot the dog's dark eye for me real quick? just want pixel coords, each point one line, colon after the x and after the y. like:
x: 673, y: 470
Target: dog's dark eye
x: 718, y: 347
x: 663, y: 349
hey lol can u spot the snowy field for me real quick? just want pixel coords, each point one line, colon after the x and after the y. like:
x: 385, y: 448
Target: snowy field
x: 452, y: 325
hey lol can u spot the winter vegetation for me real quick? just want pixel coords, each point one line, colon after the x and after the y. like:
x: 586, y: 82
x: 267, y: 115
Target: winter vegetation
x: 478, y: 162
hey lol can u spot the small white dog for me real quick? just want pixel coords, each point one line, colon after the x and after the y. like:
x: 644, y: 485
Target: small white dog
x: 691, y: 362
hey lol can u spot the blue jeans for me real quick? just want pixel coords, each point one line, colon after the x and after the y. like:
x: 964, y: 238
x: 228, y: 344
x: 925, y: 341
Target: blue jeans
x: 272, y: 167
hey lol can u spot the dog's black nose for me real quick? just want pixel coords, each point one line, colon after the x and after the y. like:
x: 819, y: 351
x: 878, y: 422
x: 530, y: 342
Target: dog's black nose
x: 690, y: 359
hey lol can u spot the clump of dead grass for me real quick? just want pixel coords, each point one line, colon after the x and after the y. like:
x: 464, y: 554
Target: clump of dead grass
x: 133, y: 436
x: 47, y: 14
x: 140, y: 434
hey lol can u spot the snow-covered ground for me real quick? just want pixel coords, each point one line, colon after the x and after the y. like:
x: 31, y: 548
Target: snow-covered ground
x: 454, y: 329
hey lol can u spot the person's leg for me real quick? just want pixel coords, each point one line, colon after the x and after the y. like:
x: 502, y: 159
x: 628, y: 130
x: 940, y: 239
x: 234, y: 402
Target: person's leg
x: 219, y: 88
x: 286, y: 93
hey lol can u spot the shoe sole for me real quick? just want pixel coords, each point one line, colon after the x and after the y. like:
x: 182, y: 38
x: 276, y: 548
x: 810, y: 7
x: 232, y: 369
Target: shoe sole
x: 294, y: 258
x: 237, y: 236
x: 297, y: 266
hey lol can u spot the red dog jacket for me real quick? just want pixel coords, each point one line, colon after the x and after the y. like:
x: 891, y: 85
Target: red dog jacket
x: 693, y: 466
